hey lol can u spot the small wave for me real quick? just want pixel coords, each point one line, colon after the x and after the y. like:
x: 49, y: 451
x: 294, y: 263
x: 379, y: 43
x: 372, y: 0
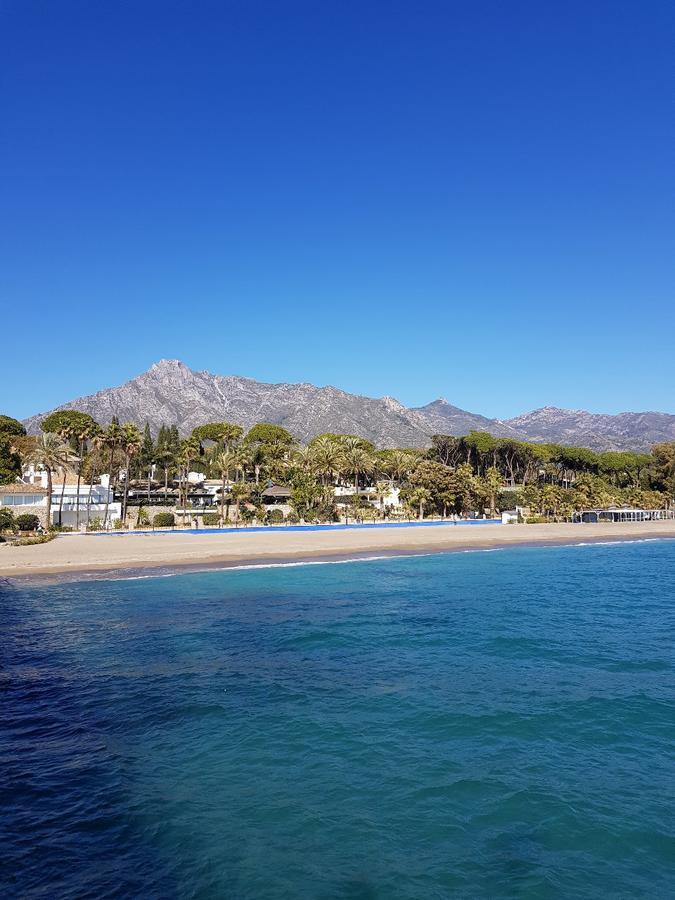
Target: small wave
x: 272, y: 565
x: 483, y: 550
x: 617, y: 542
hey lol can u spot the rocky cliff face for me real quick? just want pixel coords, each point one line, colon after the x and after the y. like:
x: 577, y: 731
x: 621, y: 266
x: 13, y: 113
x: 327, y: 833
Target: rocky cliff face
x: 169, y: 392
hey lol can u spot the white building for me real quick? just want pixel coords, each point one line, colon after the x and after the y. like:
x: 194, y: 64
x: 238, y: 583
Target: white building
x: 92, y: 499
x: 22, y: 498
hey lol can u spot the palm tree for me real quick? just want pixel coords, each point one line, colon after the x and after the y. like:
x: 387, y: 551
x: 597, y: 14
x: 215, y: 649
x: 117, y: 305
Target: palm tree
x: 328, y: 457
x: 241, y: 459
x: 493, y: 482
x: 304, y: 458
x: 358, y: 461
x: 111, y: 440
x: 224, y: 462
x: 66, y: 433
x: 99, y: 443
x: 53, y: 454
x: 240, y: 491
x: 256, y: 459
x: 400, y: 463
x: 189, y: 450
x: 131, y: 441
x: 86, y: 431
x: 165, y: 457
x: 382, y: 488
x: 419, y: 497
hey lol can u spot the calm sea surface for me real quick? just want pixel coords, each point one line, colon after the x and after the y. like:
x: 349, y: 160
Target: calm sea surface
x: 487, y: 724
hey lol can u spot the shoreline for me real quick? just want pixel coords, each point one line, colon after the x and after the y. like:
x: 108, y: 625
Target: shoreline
x: 81, y: 557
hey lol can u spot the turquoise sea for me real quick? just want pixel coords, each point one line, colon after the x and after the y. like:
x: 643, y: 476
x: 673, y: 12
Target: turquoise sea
x: 479, y: 725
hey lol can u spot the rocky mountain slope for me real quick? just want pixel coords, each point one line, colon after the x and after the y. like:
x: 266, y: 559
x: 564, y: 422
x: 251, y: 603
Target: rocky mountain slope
x: 171, y: 392
x: 628, y: 430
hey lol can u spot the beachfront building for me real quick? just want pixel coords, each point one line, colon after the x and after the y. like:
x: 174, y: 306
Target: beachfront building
x: 92, y: 498
x: 92, y: 503
x: 22, y: 498
x: 622, y: 514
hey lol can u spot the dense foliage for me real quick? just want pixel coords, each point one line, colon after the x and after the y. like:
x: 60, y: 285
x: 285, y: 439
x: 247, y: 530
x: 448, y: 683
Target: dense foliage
x: 7, y: 521
x: 27, y: 522
x: 339, y: 475
x: 164, y: 520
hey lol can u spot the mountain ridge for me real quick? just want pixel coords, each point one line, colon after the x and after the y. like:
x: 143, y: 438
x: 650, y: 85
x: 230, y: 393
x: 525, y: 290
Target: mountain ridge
x: 169, y: 391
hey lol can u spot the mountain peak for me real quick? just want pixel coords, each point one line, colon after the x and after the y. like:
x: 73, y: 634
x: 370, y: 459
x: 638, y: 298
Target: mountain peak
x: 170, y: 392
x: 164, y: 365
x: 392, y: 403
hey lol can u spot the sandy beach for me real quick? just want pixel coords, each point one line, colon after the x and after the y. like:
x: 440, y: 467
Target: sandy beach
x: 125, y: 553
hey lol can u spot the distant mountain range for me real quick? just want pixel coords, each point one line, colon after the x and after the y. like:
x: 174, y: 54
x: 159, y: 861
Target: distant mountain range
x: 170, y: 392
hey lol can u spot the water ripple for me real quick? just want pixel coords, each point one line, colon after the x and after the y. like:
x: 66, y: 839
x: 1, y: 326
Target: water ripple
x: 467, y: 725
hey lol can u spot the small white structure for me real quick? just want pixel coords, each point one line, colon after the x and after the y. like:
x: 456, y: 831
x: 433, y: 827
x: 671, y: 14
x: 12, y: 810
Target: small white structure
x: 391, y: 498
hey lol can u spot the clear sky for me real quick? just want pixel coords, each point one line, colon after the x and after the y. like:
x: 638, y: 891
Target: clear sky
x: 472, y: 200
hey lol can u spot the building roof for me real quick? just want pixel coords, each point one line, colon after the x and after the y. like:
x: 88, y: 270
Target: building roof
x: 57, y: 478
x: 277, y: 490
x: 18, y: 487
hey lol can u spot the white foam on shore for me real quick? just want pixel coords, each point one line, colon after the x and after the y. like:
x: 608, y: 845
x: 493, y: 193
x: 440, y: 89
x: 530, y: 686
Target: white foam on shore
x: 616, y: 542
x: 276, y: 565
x: 298, y: 563
x: 476, y: 550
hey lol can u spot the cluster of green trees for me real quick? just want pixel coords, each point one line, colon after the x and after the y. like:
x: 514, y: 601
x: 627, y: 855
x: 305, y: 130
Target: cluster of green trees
x: 456, y: 475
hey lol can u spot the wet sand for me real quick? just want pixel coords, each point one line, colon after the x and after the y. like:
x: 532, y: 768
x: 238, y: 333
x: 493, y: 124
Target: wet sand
x: 124, y: 554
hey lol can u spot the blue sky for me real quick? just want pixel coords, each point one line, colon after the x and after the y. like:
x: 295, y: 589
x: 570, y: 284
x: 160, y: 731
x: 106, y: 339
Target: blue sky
x: 469, y: 200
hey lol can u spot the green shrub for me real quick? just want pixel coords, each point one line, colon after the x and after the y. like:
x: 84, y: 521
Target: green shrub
x: 27, y: 522
x: 36, y: 539
x: 293, y: 518
x: 211, y: 519
x: 143, y: 518
x: 247, y: 513
x: 7, y: 521
x: 164, y: 520
x: 95, y: 524
x: 508, y: 500
x: 118, y: 524
x: 275, y: 516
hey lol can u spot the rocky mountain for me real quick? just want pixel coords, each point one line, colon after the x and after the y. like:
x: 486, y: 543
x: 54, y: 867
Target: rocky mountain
x: 624, y: 431
x: 440, y: 417
x: 171, y: 392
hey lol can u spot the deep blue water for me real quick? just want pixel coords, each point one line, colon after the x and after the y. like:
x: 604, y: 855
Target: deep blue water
x: 480, y: 725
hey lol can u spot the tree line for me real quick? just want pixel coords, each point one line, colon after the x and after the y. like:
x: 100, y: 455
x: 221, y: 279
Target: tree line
x: 476, y: 473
